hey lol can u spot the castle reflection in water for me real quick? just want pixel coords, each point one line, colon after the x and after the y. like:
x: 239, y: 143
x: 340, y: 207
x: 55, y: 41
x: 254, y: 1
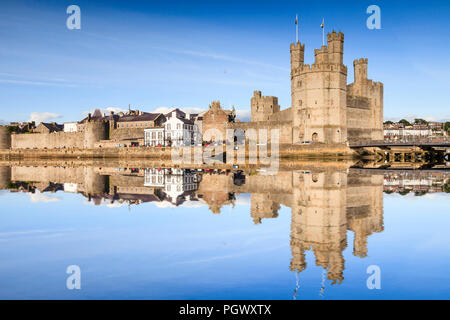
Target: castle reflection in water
x: 325, y: 202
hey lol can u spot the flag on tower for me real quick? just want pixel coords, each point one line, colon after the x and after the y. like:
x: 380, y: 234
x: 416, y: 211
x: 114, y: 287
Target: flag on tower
x: 296, y: 19
x: 323, y: 31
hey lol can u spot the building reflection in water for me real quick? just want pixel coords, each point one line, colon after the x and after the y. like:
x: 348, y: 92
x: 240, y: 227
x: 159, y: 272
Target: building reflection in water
x: 324, y: 203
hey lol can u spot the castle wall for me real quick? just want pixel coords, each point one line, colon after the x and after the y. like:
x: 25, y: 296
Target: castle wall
x: 283, y: 115
x: 359, y: 127
x: 92, y: 133
x: 86, y: 178
x: 48, y: 140
x: 284, y: 127
x: 126, y: 133
x: 48, y: 174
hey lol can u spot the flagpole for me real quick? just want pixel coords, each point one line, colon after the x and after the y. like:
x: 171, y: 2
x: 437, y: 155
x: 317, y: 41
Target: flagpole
x: 296, y: 28
x: 323, y: 32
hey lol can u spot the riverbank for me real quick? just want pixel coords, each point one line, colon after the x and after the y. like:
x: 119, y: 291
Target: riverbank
x: 285, y: 152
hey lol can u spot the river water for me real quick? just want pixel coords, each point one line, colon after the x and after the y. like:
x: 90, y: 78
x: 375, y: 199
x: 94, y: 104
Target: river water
x: 320, y: 232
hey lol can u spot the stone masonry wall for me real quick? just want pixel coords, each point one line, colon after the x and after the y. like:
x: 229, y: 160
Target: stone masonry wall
x: 127, y: 133
x: 48, y: 140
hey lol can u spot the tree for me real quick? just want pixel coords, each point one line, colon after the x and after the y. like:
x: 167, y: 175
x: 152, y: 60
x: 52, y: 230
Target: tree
x: 447, y: 126
x: 405, y: 122
x: 404, y: 192
x: 420, y: 121
x: 447, y: 187
x: 388, y: 122
x: 12, y: 129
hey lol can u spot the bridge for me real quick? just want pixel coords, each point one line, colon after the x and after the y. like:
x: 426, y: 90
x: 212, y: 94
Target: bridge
x: 415, y: 153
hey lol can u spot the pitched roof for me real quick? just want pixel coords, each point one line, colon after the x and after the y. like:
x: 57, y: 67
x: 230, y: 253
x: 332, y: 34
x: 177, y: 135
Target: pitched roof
x: 52, y: 126
x: 179, y: 113
x: 142, y: 117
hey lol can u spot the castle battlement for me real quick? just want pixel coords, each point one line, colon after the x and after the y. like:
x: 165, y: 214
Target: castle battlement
x: 307, y: 68
x: 297, y: 46
x: 333, y: 36
x: 360, y: 61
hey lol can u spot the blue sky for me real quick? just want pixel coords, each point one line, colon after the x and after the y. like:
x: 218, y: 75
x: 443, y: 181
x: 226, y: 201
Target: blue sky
x: 187, y: 53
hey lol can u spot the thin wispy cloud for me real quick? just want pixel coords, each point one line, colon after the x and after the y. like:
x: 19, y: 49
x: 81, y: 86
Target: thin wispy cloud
x: 39, y: 117
x: 41, y: 197
x: 37, y: 83
x: 216, y: 56
x: 106, y: 110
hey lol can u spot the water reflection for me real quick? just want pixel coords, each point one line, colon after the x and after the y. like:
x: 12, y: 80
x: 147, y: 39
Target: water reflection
x: 325, y: 202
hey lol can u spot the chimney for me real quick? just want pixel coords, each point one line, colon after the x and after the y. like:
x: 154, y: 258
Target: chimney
x: 89, y: 116
x: 188, y: 115
x: 174, y: 114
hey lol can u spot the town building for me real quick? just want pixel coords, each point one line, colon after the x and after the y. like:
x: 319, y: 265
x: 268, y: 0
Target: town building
x: 394, y: 131
x: 216, y: 118
x: 180, y: 128
x: 140, y: 120
x: 48, y: 127
x: 177, y: 184
x: 154, y: 137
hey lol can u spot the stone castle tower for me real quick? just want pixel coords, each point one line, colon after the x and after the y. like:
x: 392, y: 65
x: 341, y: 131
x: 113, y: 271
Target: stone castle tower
x: 319, y: 93
x: 263, y: 108
x: 324, y: 108
x: 318, y: 221
x: 367, y: 96
x: 95, y: 131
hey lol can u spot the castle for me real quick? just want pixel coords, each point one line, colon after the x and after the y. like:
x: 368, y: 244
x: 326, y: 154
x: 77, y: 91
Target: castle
x: 323, y: 107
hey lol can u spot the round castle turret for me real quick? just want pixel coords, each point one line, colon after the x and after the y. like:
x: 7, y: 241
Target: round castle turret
x: 5, y: 177
x: 95, y: 131
x: 94, y: 183
x: 318, y: 92
x: 5, y: 138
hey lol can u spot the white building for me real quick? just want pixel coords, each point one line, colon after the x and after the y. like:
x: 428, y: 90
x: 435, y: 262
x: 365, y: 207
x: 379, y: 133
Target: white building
x: 180, y: 129
x: 154, y: 137
x: 70, y: 127
x: 174, y: 182
x: 395, y: 132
